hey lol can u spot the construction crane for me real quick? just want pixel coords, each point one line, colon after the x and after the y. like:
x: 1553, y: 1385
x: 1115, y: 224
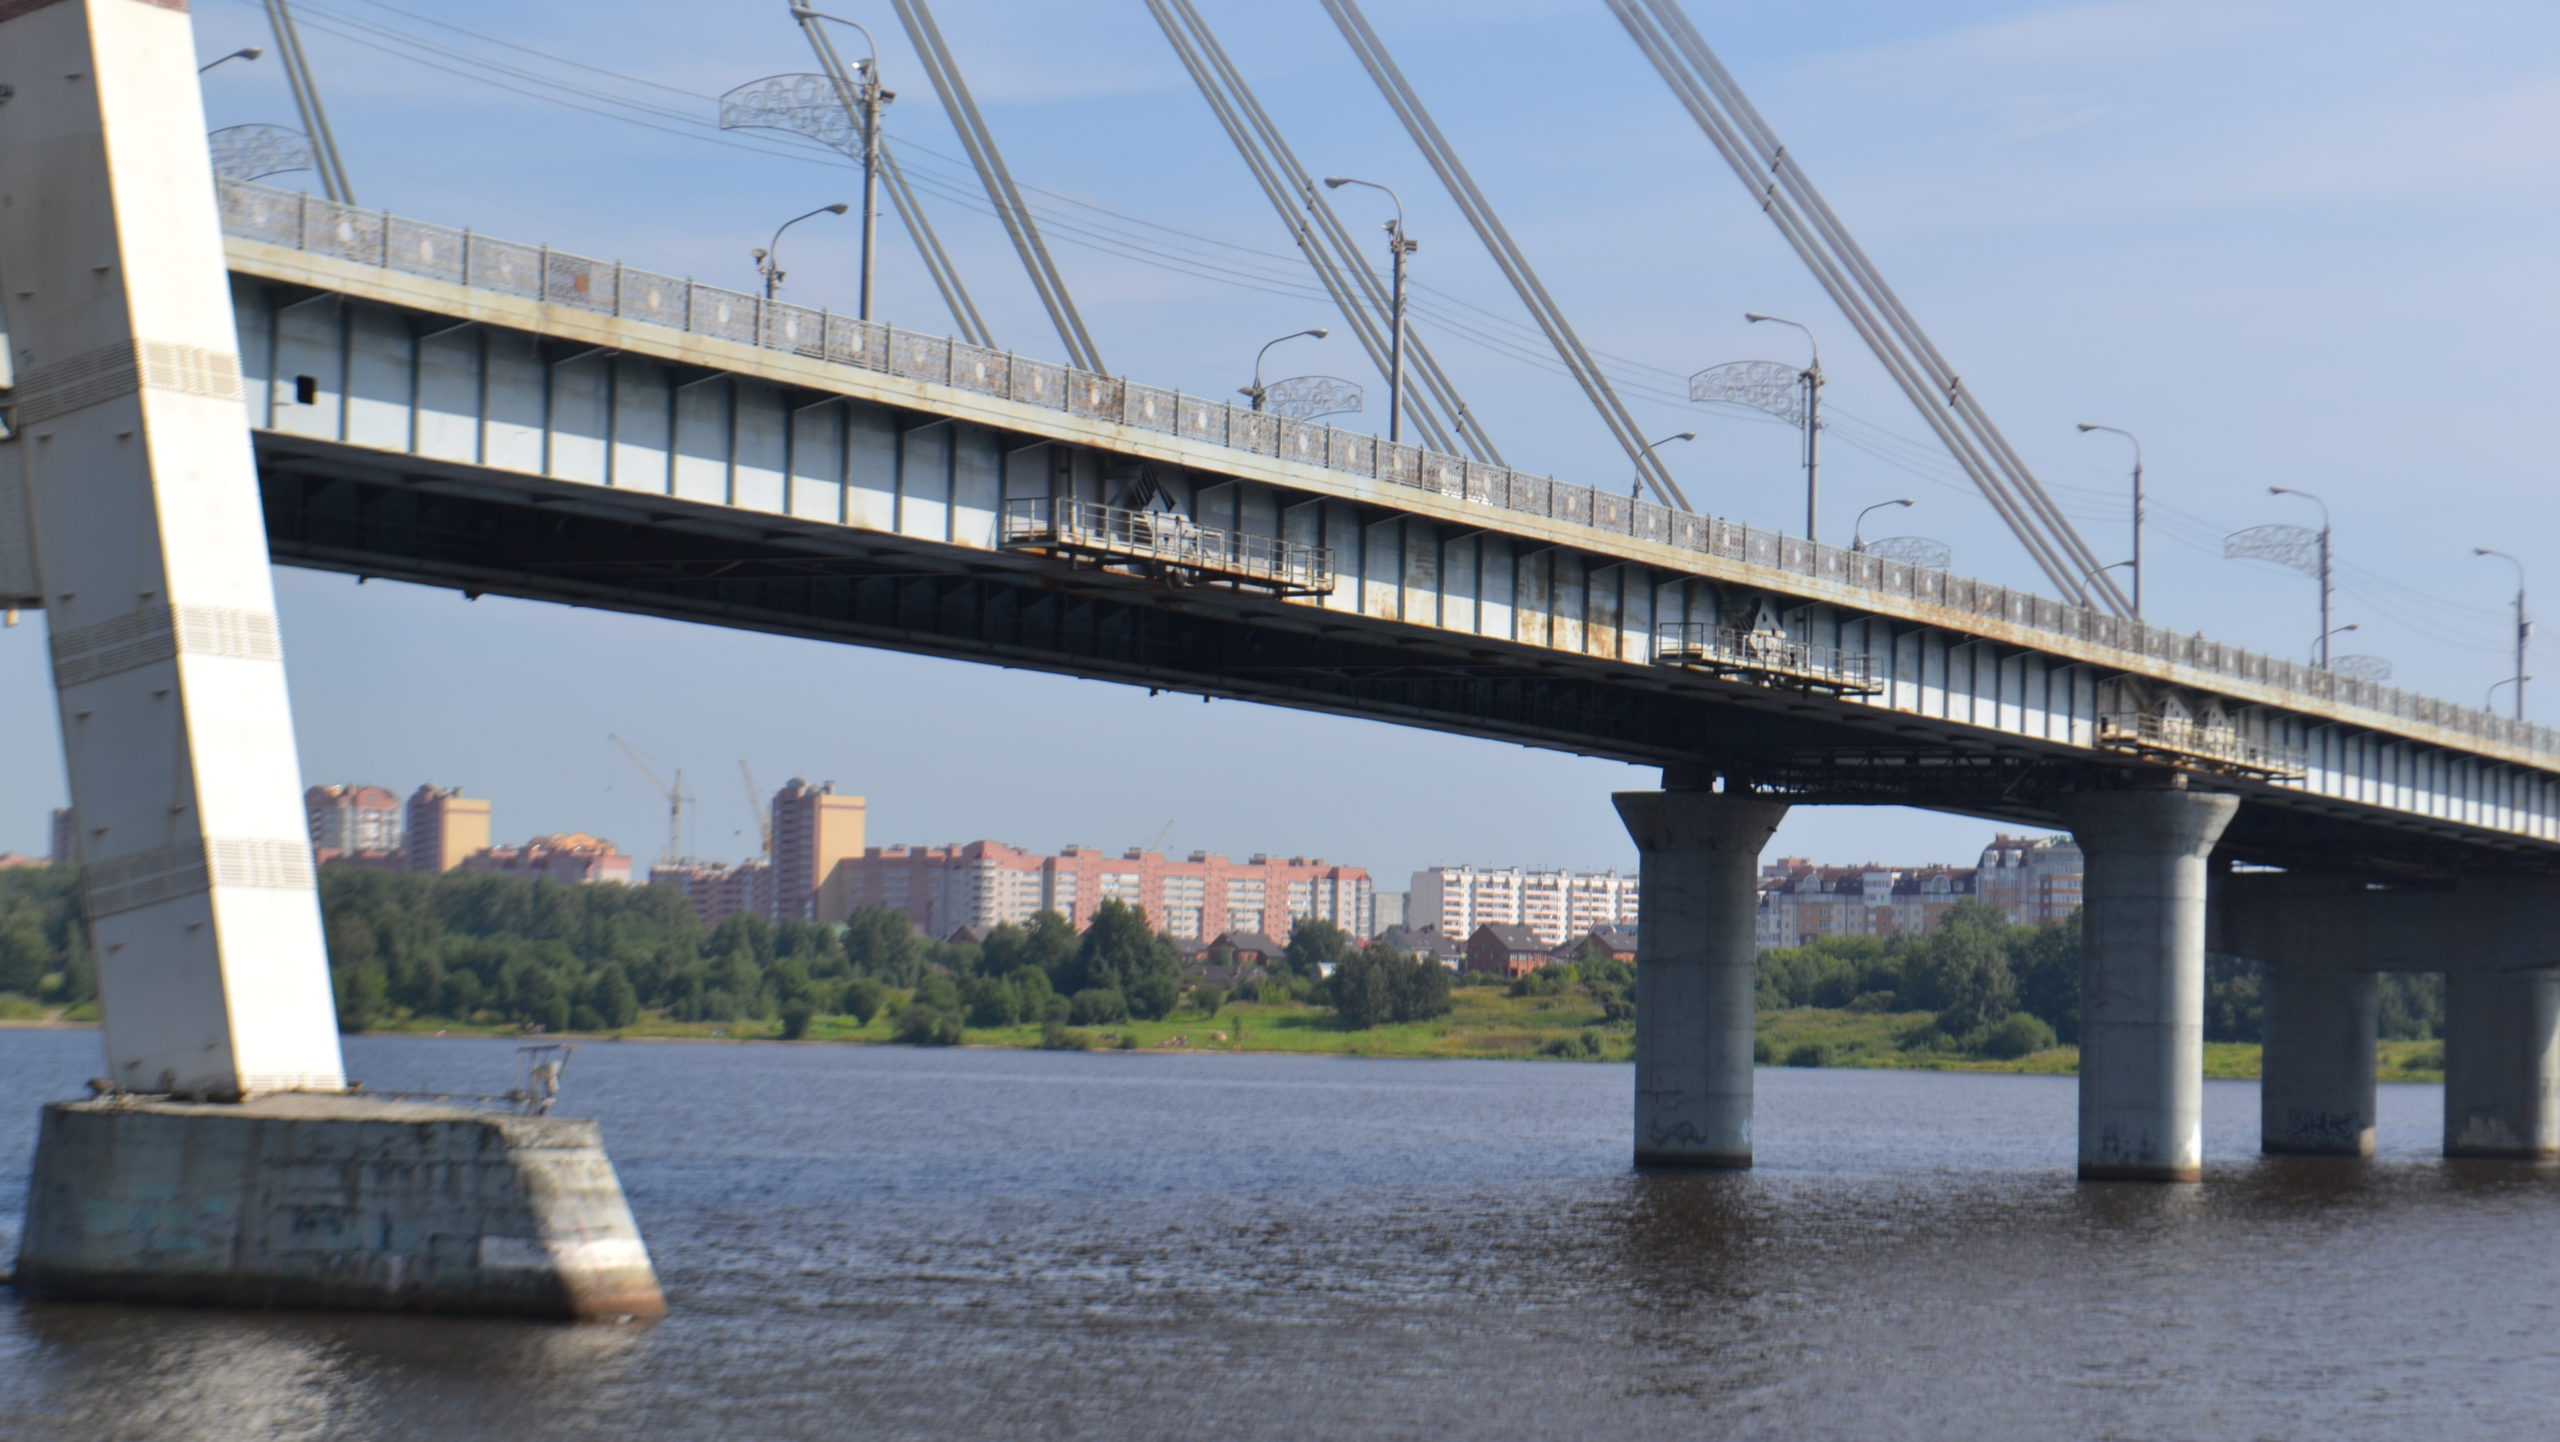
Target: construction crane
x: 1158, y: 843
x: 676, y: 798
x: 755, y: 803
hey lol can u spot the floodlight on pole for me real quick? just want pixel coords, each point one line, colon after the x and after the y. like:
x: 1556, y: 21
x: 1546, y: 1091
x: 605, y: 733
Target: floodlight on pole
x: 1398, y: 247
x: 245, y: 52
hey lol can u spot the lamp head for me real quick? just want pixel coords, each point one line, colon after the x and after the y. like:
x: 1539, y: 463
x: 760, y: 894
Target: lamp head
x: 2482, y: 551
x: 251, y: 53
x: 1756, y: 317
x: 1336, y: 182
x: 2278, y: 491
x: 1686, y: 436
x: 1899, y: 501
x: 803, y: 12
x: 758, y: 252
x: 1319, y: 332
x: 839, y: 208
x: 2088, y: 426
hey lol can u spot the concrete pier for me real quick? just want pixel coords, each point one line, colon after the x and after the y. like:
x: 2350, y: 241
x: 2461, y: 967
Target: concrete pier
x: 1694, y: 972
x: 2502, y: 1064
x: 331, y: 1202
x: 2317, y: 1098
x: 2142, y: 980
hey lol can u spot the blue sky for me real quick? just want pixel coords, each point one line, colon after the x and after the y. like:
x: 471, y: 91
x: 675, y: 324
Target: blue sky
x: 2292, y: 243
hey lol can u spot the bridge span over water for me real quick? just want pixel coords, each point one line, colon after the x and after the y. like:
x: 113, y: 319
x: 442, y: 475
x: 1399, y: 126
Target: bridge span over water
x: 209, y: 376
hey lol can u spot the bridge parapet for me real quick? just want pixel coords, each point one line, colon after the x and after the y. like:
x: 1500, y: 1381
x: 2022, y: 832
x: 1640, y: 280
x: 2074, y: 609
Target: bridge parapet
x: 314, y: 225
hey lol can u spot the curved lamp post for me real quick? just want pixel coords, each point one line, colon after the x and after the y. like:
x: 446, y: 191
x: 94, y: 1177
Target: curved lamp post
x: 871, y: 97
x: 2524, y: 626
x: 1254, y: 391
x: 769, y: 259
x: 1857, y: 528
x: 1398, y: 247
x: 245, y: 52
x: 2325, y: 630
x: 1637, y: 492
x: 1811, y: 378
x: 2085, y: 428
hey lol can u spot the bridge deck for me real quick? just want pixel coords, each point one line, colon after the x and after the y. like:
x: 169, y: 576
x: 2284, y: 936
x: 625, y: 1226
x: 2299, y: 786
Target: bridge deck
x: 498, y: 417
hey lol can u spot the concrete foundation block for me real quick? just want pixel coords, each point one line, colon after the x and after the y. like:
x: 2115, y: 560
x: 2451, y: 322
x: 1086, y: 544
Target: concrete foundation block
x: 331, y: 1202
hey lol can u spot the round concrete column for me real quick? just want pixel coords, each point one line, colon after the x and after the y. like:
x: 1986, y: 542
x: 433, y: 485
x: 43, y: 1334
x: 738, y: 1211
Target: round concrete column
x: 1694, y: 972
x: 2502, y: 1064
x: 2142, y: 980
x: 2317, y: 1095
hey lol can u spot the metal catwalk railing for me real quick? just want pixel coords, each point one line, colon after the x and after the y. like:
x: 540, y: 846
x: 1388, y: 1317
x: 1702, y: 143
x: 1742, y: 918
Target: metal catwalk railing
x: 1167, y: 539
x: 322, y: 227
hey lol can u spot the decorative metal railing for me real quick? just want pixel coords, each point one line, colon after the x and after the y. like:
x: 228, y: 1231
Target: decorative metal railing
x: 309, y: 223
x: 1767, y: 657
x: 2184, y: 738
x: 1167, y: 540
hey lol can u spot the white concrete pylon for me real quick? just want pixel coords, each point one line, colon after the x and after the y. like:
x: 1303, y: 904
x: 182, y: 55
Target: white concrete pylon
x: 151, y: 552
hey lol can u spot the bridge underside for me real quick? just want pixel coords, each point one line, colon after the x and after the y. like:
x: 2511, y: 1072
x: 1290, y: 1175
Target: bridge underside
x: 356, y: 510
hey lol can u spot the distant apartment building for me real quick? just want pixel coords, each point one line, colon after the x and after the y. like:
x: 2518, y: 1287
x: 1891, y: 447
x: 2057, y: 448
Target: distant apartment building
x: 1198, y: 897
x: 2035, y: 881
x: 353, y: 821
x: 574, y: 858
x: 17, y: 860
x: 443, y: 828
x: 814, y: 831
x: 66, y: 837
x: 717, y: 890
x: 1455, y: 900
x: 1386, y: 911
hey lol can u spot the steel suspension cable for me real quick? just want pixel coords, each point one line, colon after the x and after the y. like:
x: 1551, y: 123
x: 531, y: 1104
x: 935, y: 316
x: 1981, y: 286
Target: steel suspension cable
x: 980, y: 143
x: 1506, y: 253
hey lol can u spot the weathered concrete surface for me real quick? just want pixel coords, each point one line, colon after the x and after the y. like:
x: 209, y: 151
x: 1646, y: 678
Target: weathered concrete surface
x: 2317, y: 1098
x: 1694, y: 972
x: 2343, y: 922
x: 2502, y: 1065
x: 331, y: 1201
x: 2142, y: 980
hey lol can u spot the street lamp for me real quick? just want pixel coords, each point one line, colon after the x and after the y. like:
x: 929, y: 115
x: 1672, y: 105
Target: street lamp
x: 1857, y: 528
x: 2524, y: 626
x: 2086, y: 427
x: 1811, y: 379
x: 1398, y: 247
x: 769, y: 263
x: 869, y: 97
x: 245, y: 52
x: 2325, y: 631
x: 1254, y: 391
x: 1636, y: 492
x: 2323, y: 647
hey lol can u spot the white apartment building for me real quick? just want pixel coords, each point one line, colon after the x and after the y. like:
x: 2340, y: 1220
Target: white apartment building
x: 1454, y: 900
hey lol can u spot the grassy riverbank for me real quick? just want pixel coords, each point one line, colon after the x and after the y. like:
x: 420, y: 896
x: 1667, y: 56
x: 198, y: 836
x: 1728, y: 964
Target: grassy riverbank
x: 1486, y: 1023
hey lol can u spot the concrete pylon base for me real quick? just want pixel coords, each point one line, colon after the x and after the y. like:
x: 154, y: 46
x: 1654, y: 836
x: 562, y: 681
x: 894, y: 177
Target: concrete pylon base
x: 2316, y: 1098
x: 2502, y: 1065
x: 341, y: 1202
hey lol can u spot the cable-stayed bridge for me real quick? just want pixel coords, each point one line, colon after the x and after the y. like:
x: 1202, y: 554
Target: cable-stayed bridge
x: 206, y: 376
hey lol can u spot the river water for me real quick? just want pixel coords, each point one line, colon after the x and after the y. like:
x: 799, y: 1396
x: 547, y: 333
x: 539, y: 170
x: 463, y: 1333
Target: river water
x: 883, y: 1242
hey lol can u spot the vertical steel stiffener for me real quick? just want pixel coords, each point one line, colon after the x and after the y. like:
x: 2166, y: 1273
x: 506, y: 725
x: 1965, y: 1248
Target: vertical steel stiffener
x: 151, y: 553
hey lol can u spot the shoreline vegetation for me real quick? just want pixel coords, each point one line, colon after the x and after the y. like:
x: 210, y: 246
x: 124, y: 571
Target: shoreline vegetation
x: 475, y: 954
